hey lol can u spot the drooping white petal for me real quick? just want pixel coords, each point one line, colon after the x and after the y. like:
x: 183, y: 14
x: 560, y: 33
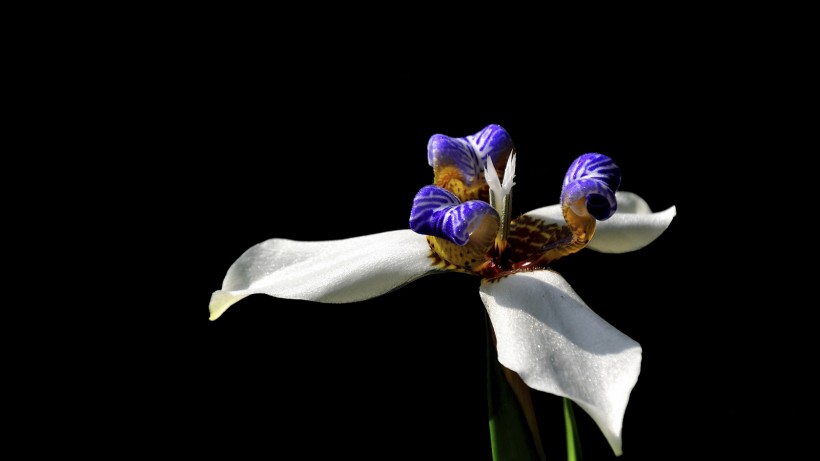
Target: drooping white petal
x: 333, y: 271
x: 557, y: 344
x: 632, y: 227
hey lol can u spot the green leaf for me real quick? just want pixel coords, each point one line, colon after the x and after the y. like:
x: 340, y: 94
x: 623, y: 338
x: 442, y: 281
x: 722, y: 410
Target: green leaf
x: 510, y: 435
x: 573, y: 442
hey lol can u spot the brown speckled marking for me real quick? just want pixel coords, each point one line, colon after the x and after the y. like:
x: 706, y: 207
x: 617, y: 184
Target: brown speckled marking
x: 529, y: 236
x: 569, y: 239
x: 439, y: 263
x: 531, y: 245
x: 466, y: 257
x: 505, y: 274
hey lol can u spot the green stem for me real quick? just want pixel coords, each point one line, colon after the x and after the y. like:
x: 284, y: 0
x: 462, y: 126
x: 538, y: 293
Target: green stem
x: 573, y: 442
x: 510, y: 436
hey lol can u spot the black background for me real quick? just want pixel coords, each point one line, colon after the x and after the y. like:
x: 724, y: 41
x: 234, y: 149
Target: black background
x: 159, y: 145
x: 242, y: 149
x: 403, y: 375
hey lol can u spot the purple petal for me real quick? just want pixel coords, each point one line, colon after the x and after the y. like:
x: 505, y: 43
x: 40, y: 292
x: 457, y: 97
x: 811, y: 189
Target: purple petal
x: 439, y: 213
x: 594, y: 177
x: 469, y: 154
x: 493, y: 141
x: 443, y: 150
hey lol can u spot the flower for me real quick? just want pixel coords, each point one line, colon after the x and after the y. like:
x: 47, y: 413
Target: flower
x: 544, y: 331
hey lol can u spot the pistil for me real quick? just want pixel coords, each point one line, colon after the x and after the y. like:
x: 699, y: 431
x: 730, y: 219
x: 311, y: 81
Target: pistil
x: 501, y: 198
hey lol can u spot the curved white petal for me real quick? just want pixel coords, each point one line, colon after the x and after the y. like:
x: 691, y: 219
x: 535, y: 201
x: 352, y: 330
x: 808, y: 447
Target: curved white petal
x: 630, y: 202
x: 631, y: 228
x: 333, y: 271
x: 557, y: 344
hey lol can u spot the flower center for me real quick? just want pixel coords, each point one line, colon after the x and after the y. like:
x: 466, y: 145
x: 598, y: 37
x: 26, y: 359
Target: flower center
x: 467, y: 212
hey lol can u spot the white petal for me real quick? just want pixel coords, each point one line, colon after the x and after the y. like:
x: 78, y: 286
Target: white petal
x: 549, y: 214
x: 558, y: 345
x: 629, y: 202
x: 626, y: 231
x: 333, y: 271
x: 632, y: 227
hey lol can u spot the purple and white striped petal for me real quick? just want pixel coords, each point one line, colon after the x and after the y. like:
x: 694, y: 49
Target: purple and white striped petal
x: 469, y: 154
x: 492, y: 141
x: 594, y: 178
x: 438, y: 212
x: 444, y: 151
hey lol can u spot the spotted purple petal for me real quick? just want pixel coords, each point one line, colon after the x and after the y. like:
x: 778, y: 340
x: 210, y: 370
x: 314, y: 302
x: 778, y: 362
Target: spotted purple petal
x: 594, y: 177
x: 469, y: 154
x: 439, y: 213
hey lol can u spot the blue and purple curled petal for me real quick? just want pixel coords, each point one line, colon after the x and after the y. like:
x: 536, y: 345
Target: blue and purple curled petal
x: 469, y: 154
x: 445, y: 151
x: 439, y: 213
x: 593, y: 178
x: 494, y: 142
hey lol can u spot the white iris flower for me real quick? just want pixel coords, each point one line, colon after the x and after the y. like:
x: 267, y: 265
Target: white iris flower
x: 544, y: 330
